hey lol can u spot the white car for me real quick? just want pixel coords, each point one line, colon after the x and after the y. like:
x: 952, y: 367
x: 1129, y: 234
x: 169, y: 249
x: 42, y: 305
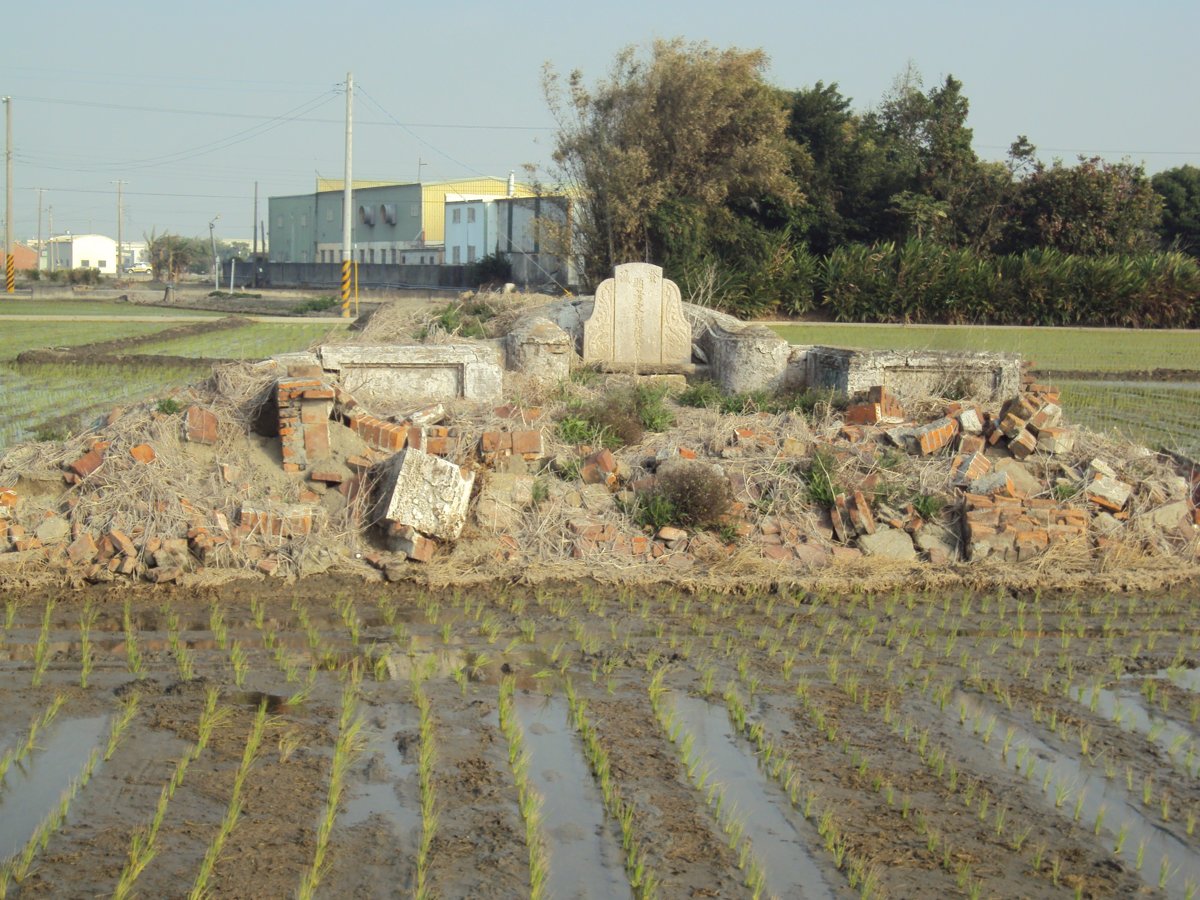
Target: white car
x: 139, y: 269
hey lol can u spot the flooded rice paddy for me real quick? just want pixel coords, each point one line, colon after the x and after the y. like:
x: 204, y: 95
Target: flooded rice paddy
x: 336, y: 738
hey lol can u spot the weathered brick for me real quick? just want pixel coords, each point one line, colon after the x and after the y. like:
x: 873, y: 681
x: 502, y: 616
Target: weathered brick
x: 966, y: 468
x: 316, y: 441
x: 937, y: 434
x: 528, y: 443
x: 1023, y: 444
x: 327, y: 477
x: 82, y: 549
x: 87, y: 464
x: 201, y: 425
x: 143, y: 453
x: 9, y: 498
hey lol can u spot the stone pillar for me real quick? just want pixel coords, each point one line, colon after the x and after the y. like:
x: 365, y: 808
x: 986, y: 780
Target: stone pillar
x: 749, y: 359
x: 540, y: 350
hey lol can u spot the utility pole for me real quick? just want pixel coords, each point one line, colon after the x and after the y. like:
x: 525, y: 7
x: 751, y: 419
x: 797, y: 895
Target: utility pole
x: 38, y: 267
x: 9, y: 271
x: 120, y: 224
x: 254, y: 234
x: 420, y: 165
x: 53, y: 246
x: 212, y: 237
x: 347, y: 197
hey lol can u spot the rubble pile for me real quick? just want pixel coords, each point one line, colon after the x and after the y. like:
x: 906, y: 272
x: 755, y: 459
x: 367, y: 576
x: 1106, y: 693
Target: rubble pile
x: 495, y: 487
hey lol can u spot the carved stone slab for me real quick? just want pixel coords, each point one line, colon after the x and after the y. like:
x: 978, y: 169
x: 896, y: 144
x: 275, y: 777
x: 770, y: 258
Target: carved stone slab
x: 637, y: 319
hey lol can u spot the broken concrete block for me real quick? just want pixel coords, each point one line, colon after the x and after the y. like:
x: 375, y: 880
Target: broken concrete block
x: 1049, y: 416
x: 993, y: 483
x: 502, y: 500
x: 53, y: 530
x: 1107, y: 491
x: 426, y: 492
x: 407, y: 540
x: 1171, y: 516
x: 938, y: 543
x: 888, y: 543
x: 970, y: 421
x: 1056, y: 441
x: 1022, y: 479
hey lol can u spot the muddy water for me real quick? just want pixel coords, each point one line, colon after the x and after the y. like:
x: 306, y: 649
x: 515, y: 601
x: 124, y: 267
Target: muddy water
x: 1120, y: 807
x: 585, y: 856
x: 388, y: 773
x: 33, y: 787
x: 772, y: 824
x: 1125, y: 707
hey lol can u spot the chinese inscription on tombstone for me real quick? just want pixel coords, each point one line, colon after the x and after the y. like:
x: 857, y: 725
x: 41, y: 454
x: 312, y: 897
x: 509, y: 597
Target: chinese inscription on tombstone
x: 637, y: 320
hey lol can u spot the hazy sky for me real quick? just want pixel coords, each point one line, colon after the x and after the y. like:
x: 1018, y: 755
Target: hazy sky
x: 191, y: 103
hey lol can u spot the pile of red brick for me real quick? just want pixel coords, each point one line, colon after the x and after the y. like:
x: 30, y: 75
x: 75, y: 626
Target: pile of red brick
x: 1016, y: 528
x: 303, y: 402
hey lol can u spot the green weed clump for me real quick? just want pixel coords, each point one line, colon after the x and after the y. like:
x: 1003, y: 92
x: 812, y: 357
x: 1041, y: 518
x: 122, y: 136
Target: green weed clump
x: 620, y: 418
x: 822, y: 488
x: 705, y: 394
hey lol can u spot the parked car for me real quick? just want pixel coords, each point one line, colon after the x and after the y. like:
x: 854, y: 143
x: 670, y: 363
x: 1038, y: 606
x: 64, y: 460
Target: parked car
x: 139, y: 269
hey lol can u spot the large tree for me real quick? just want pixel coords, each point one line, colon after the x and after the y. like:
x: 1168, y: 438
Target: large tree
x: 673, y: 139
x: 1091, y: 208
x: 1180, y: 192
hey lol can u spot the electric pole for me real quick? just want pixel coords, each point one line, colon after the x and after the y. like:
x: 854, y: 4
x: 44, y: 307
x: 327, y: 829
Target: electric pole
x: 9, y: 273
x: 347, y: 197
x: 213, y: 240
x: 38, y: 267
x: 254, y: 235
x: 120, y: 223
x: 51, y: 259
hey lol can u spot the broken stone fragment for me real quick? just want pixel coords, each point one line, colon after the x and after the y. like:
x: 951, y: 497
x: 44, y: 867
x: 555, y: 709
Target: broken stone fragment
x: 967, y: 468
x: 993, y: 483
x: 426, y: 492
x: 503, y: 500
x: 200, y: 425
x: 1056, y: 441
x: 888, y: 543
x: 1107, y: 492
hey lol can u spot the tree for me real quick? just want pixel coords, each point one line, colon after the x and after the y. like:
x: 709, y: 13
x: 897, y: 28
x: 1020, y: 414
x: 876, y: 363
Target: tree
x: 172, y: 255
x: 1091, y: 208
x: 1179, y: 189
x: 686, y: 126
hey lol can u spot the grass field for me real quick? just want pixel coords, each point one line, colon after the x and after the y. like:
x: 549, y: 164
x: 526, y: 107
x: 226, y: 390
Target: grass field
x: 97, y: 308
x: 261, y: 339
x: 21, y: 336
x: 76, y: 391
x: 1051, y: 349
x: 1157, y: 414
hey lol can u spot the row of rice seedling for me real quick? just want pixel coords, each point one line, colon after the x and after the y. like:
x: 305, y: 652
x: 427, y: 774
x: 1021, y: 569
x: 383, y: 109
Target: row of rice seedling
x: 143, y: 841
x: 528, y: 800
x: 16, y: 869
x: 253, y: 341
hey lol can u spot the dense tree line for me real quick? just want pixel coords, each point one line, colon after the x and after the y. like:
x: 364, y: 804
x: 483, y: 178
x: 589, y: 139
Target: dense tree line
x: 684, y: 155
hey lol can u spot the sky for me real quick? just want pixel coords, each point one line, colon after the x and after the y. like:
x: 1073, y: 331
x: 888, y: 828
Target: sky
x: 189, y: 105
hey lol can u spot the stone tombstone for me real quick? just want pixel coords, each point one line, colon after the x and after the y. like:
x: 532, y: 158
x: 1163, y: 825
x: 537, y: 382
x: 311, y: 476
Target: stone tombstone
x: 637, y: 320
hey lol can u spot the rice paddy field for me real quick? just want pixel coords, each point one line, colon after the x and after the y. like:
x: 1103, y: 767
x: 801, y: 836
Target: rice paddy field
x: 337, y: 738
x: 119, y: 362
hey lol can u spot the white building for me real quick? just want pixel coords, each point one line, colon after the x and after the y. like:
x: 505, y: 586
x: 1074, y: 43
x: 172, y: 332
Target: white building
x: 471, y: 231
x: 81, y: 251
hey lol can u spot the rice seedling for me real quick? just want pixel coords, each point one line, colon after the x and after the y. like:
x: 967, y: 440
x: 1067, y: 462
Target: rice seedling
x: 528, y: 800
x: 426, y: 758
x: 348, y: 746
x: 87, y: 655
x: 41, y: 655
x: 233, y: 810
x: 133, y: 656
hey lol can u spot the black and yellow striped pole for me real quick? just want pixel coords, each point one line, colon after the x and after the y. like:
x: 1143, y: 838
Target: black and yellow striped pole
x: 346, y: 288
x: 10, y: 272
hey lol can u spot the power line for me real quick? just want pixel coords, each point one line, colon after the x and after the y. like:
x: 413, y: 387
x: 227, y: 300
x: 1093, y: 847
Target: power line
x: 234, y: 115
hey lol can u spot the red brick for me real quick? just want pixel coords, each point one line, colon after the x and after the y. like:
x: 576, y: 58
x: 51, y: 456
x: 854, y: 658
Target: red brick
x: 860, y: 514
x: 863, y: 414
x: 122, y: 542
x: 437, y: 445
x: 313, y: 414
x: 8, y: 497
x: 201, y: 425
x: 327, y: 477
x: 143, y: 453
x: 777, y: 552
x: 318, y: 394
x: 316, y: 441
x: 87, y: 464
x: 528, y: 443
x: 971, y: 443
x: 82, y: 549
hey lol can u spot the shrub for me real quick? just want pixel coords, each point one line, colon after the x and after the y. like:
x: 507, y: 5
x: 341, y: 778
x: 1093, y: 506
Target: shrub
x: 318, y: 304
x: 168, y: 406
x: 621, y: 418
x: 689, y: 493
x: 494, y: 268
x: 928, y: 506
